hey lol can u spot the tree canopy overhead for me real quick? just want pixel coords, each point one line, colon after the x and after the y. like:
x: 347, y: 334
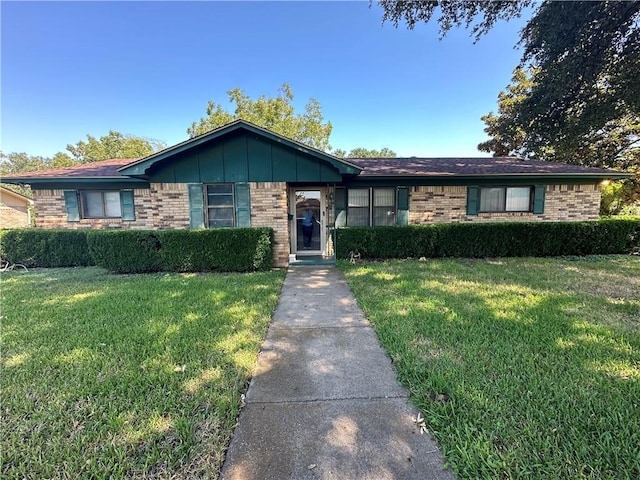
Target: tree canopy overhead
x: 273, y: 113
x: 575, y: 97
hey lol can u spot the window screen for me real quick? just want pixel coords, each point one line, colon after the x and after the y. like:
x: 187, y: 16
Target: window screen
x: 220, y: 207
x: 358, y: 207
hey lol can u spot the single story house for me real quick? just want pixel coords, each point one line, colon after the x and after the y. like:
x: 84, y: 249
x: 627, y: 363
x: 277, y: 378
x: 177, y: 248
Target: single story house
x: 242, y: 175
x: 14, y: 209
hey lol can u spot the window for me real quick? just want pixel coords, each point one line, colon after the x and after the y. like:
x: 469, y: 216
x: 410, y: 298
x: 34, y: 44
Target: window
x: 101, y: 204
x: 220, y: 205
x: 506, y: 199
x: 384, y: 206
x: 371, y: 206
x: 358, y: 207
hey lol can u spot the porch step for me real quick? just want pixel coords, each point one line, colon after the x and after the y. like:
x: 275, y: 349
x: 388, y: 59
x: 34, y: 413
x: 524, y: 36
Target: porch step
x: 312, y: 260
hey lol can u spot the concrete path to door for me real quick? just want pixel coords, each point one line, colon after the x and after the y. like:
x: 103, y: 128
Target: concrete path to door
x: 324, y: 402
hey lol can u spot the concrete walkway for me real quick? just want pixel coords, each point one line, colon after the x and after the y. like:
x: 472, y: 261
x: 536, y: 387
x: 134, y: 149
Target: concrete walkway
x: 324, y: 402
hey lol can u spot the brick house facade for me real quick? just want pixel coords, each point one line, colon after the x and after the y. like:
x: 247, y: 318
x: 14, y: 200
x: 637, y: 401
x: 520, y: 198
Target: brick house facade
x: 242, y: 175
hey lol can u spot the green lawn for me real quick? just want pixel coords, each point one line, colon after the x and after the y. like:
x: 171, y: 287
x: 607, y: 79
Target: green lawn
x: 126, y: 376
x: 523, y: 368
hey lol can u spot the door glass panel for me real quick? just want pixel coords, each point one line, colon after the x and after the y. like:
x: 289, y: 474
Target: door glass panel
x: 308, y: 220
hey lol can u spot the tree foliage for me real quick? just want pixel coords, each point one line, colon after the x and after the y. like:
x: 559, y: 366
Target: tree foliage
x: 360, y: 152
x: 276, y: 114
x: 112, y: 145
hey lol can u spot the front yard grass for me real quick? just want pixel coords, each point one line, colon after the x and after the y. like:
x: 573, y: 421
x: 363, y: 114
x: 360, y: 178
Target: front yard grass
x: 107, y: 376
x: 523, y: 368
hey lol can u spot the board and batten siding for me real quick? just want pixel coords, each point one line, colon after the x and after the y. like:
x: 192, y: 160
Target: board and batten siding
x: 243, y: 158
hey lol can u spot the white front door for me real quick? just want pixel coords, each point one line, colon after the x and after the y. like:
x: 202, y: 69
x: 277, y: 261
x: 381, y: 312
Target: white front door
x: 308, y: 229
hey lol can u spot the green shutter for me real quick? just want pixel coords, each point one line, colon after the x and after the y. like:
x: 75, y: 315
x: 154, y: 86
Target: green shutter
x: 71, y: 205
x: 243, y: 205
x: 403, y: 206
x: 340, y: 207
x: 538, y: 198
x: 473, y: 200
x: 196, y: 206
x: 127, y: 206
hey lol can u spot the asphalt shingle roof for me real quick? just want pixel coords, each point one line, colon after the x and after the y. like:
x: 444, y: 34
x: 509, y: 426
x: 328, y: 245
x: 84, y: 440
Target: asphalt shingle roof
x: 372, y: 167
x: 104, y: 168
x: 439, y: 167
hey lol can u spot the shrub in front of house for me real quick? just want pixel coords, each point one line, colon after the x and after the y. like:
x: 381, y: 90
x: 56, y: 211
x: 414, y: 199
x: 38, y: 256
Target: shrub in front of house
x: 477, y: 240
x: 125, y: 251
x: 227, y: 250
x: 223, y: 249
x: 34, y: 247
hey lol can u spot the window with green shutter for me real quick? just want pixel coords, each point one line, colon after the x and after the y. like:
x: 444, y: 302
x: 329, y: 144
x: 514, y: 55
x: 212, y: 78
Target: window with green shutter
x: 220, y: 205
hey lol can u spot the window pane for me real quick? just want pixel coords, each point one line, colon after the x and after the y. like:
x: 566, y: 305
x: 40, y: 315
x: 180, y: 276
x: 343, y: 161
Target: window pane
x: 384, y: 197
x: 383, y: 216
x: 215, y: 200
x: 220, y: 217
x: 220, y: 188
x: 92, y: 202
x: 492, y: 199
x: 112, y: 204
x: 358, y: 197
x: 358, y: 216
x: 519, y: 199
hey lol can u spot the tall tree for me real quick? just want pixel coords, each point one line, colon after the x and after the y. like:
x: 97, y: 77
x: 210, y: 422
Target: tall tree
x: 113, y: 145
x: 276, y: 114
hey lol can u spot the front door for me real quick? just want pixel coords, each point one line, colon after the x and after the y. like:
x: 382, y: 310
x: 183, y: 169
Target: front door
x: 309, y: 221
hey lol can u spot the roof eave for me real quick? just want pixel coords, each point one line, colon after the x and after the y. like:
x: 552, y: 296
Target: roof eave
x: 548, y: 176
x: 37, y: 180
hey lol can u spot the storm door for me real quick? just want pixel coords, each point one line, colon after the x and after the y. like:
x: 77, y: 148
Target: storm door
x: 308, y: 230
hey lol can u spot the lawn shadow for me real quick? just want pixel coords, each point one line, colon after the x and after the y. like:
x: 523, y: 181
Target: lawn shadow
x: 514, y: 375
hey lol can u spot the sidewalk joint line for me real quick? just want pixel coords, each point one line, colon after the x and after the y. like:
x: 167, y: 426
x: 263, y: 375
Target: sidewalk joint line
x: 319, y: 400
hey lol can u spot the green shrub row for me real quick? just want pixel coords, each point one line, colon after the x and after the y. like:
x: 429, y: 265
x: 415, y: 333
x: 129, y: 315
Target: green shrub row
x: 134, y: 251
x: 33, y: 247
x: 477, y: 240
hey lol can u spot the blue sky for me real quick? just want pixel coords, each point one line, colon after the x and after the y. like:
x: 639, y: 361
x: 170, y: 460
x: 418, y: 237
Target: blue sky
x: 149, y: 69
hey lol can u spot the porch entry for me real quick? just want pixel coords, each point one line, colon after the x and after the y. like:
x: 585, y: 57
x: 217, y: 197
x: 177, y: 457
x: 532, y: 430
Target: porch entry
x: 308, y: 221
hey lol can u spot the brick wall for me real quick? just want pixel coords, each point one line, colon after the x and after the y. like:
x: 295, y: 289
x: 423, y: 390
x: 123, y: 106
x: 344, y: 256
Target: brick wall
x: 170, y: 205
x: 269, y: 209
x: 447, y: 204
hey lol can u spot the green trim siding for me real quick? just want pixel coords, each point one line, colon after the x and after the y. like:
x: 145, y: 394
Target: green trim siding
x: 238, y: 127
x: 243, y: 158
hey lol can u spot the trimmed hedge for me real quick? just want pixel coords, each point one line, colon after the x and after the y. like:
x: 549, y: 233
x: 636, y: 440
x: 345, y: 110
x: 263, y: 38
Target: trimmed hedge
x: 137, y: 251
x: 232, y: 250
x: 477, y: 240
x: 35, y: 247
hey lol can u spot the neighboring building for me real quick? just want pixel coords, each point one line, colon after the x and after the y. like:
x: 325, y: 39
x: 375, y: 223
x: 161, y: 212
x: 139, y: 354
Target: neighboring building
x: 241, y: 175
x: 14, y: 209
